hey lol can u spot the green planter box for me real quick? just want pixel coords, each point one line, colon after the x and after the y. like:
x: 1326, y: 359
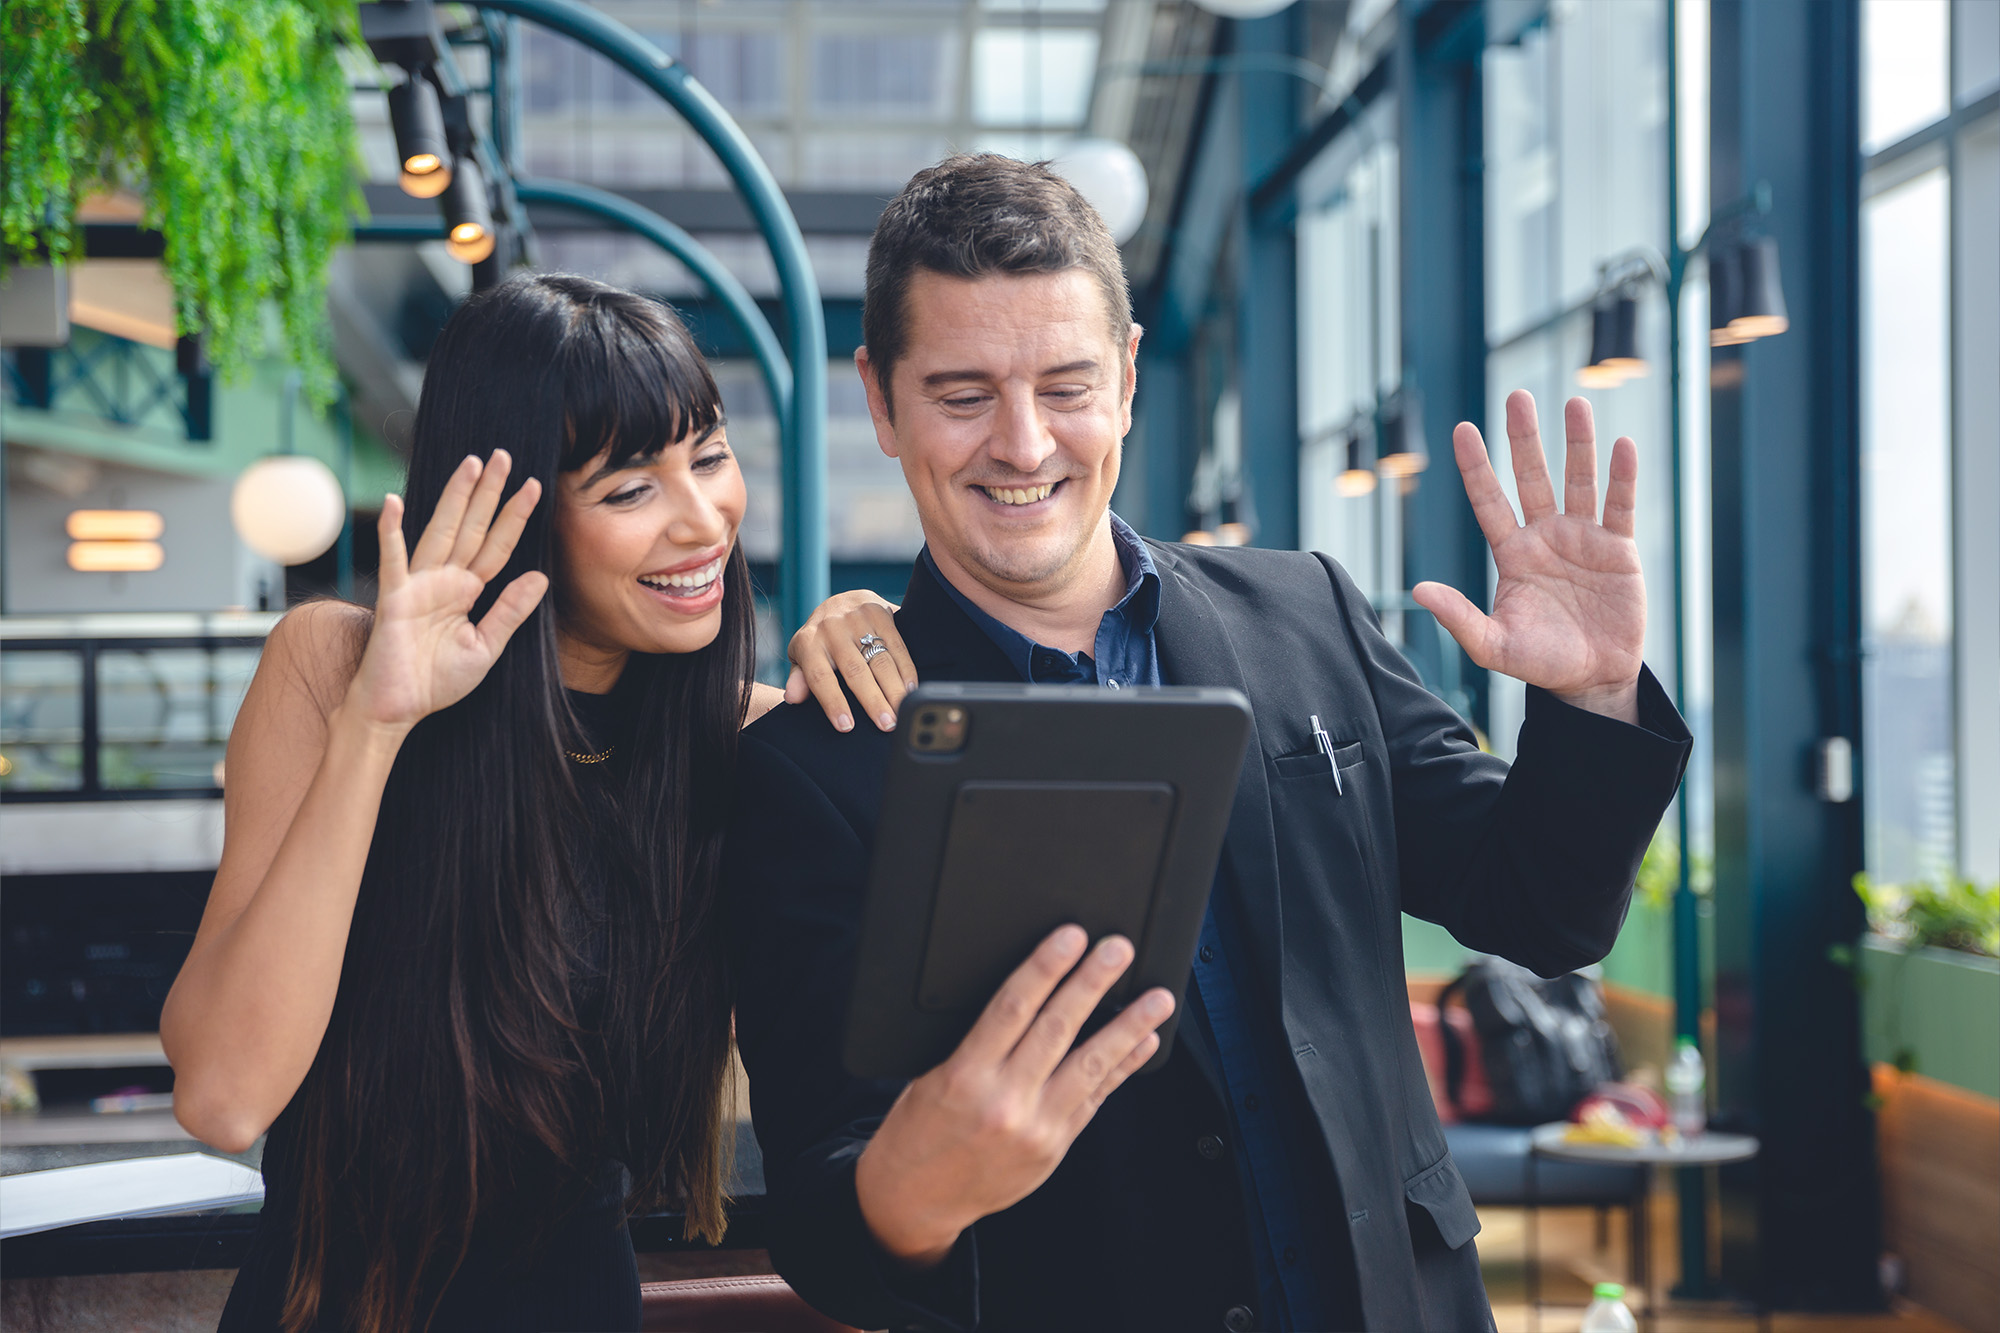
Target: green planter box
x: 1937, y: 1011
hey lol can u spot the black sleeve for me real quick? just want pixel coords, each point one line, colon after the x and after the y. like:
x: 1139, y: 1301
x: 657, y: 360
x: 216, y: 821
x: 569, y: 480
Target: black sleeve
x: 795, y: 871
x: 1535, y: 862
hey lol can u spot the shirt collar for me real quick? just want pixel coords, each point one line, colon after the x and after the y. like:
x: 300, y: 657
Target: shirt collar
x: 1139, y: 607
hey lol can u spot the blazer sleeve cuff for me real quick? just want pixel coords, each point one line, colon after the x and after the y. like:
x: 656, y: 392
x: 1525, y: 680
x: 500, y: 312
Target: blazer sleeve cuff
x: 1658, y: 746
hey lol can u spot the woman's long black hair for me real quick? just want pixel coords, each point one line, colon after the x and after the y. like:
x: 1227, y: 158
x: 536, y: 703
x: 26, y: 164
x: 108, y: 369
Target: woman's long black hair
x: 456, y: 1069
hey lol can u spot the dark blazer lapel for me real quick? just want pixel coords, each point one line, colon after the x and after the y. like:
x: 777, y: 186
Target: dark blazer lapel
x: 1195, y: 650
x: 944, y: 644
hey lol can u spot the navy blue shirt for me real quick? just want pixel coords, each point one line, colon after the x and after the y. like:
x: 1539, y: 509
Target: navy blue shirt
x: 1279, y: 1160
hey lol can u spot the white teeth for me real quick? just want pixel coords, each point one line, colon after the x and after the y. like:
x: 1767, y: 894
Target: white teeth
x: 692, y: 579
x: 1019, y: 496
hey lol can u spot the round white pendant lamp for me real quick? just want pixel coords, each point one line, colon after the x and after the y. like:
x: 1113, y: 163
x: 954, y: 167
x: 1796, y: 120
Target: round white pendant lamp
x: 1243, y: 9
x: 288, y: 508
x: 1111, y: 177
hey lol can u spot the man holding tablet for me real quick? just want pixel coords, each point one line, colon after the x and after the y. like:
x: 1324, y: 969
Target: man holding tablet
x: 1284, y: 1168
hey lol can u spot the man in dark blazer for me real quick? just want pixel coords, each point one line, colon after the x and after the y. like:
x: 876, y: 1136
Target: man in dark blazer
x: 1285, y: 1168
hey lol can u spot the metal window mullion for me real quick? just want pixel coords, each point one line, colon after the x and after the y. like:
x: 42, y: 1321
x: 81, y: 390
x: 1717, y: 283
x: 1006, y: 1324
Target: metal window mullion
x: 91, y: 770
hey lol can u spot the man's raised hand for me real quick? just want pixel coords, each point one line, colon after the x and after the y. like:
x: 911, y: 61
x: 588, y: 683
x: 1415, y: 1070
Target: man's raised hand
x: 1569, y: 608
x: 424, y: 652
x: 984, y: 1129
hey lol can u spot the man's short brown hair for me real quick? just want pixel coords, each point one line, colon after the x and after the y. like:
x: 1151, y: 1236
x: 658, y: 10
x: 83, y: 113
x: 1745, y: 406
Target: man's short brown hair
x: 975, y: 215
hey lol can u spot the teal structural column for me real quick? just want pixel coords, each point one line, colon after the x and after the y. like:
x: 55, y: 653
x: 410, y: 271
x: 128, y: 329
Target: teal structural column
x: 1267, y: 329
x: 1801, y: 1223
x: 1441, y: 117
x: 803, y: 573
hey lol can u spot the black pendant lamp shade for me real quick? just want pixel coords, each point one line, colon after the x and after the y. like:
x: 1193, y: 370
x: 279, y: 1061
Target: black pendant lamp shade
x: 421, y: 147
x: 1357, y: 478
x: 1403, y: 437
x: 1614, y: 344
x: 468, y: 215
x: 1725, y: 295
x: 1761, y: 312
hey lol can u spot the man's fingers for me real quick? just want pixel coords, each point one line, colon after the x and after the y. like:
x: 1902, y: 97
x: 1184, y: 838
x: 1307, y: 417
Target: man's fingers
x: 1531, y: 465
x: 439, y: 534
x: 480, y: 508
x: 1054, y: 1030
x: 505, y: 533
x: 795, y: 687
x: 393, y: 570
x: 1465, y: 622
x: 1090, y: 1072
x: 1579, y: 460
x: 1129, y: 1066
x: 1621, y: 498
x: 1490, y: 504
x: 1021, y: 997
x: 515, y: 603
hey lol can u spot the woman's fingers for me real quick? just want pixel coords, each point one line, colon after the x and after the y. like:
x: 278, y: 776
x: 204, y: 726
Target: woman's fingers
x: 844, y: 648
x: 505, y: 532
x: 515, y: 603
x: 895, y: 669
x: 480, y: 508
x: 394, y: 570
x: 442, y: 530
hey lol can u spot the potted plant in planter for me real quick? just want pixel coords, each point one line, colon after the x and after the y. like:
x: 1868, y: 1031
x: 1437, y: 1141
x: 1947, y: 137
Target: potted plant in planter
x: 1930, y: 968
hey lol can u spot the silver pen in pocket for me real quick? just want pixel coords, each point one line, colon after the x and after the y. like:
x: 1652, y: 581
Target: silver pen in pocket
x: 1325, y: 744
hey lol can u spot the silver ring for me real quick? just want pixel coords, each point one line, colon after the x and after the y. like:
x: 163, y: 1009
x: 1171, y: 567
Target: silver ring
x: 871, y: 646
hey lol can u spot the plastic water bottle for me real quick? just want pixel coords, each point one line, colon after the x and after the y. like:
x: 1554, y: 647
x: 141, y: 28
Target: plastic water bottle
x: 1687, y: 1078
x: 1607, y: 1313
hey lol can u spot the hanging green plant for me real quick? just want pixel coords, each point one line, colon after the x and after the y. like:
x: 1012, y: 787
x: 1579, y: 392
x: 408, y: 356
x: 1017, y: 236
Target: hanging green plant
x: 228, y: 118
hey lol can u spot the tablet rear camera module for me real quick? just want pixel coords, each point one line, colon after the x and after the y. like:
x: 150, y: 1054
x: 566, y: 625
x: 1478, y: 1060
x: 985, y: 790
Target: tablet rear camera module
x: 940, y: 729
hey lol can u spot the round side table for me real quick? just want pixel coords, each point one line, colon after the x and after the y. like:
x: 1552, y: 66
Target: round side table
x: 1704, y: 1149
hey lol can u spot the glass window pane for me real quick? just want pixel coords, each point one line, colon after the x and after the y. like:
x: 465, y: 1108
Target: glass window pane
x: 1520, y: 185
x: 1975, y: 48
x: 865, y: 74
x: 1903, y: 75
x: 1029, y: 77
x: 164, y: 714
x: 1906, y: 499
x: 41, y: 720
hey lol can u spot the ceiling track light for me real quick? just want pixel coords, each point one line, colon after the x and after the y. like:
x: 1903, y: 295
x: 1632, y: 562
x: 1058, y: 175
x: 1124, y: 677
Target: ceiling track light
x: 468, y: 214
x: 417, y: 117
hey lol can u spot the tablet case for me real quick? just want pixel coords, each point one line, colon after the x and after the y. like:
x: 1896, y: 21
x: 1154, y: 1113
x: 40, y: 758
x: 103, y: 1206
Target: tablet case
x: 1049, y: 804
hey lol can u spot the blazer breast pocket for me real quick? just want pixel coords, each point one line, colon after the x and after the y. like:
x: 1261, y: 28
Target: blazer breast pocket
x: 1312, y: 763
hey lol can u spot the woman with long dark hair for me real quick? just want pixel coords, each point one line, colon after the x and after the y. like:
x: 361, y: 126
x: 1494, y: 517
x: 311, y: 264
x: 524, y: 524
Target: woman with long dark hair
x: 462, y: 955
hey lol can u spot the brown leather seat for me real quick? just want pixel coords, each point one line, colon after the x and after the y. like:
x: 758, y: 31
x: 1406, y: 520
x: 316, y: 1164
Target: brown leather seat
x: 760, y: 1304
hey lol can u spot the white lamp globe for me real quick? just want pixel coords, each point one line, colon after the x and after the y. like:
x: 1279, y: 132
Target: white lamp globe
x: 288, y: 508
x: 1111, y: 177
x: 1243, y: 9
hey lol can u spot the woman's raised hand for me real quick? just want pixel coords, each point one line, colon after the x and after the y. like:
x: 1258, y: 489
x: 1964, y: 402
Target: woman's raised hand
x: 830, y: 647
x: 425, y: 653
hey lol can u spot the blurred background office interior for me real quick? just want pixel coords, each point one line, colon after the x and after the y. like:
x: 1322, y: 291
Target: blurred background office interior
x: 1760, y: 236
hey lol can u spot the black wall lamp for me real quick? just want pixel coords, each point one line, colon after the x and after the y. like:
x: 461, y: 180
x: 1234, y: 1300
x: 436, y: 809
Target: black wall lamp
x: 468, y: 214
x: 1746, y: 299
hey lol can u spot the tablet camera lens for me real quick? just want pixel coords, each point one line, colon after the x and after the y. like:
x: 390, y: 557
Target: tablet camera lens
x: 925, y: 739
x: 939, y: 731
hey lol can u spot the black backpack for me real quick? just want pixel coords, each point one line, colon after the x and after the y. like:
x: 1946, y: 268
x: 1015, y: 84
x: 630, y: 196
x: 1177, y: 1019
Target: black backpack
x: 1545, y: 1043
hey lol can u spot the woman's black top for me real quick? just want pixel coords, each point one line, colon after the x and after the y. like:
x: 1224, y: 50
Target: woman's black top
x: 581, y: 1275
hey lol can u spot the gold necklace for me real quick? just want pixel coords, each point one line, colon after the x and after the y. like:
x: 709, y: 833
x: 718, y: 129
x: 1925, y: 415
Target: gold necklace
x: 597, y: 758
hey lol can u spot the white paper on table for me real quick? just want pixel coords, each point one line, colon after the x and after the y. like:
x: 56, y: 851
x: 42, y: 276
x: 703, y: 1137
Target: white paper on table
x: 135, y: 1187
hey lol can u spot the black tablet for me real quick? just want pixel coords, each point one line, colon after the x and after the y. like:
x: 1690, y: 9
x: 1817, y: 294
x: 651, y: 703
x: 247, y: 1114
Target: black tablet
x: 1010, y: 810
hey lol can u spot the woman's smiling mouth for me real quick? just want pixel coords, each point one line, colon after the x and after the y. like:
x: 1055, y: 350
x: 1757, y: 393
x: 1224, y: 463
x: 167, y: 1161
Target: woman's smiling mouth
x: 689, y: 590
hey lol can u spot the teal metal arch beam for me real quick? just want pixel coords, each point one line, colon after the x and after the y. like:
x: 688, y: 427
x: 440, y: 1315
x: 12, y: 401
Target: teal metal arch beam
x: 700, y: 261
x: 802, y: 566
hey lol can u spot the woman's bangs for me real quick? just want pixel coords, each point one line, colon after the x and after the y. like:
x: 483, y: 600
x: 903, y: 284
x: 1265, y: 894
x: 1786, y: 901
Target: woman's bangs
x: 634, y: 391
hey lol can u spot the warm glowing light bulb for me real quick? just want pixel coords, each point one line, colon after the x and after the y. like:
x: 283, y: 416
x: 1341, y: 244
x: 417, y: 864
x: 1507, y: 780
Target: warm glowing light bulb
x: 116, y: 557
x: 1746, y: 328
x: 422, y: 164
x: 469, y: 242
x: 1601, y: 376
x: 1356, y: 481
x: 1199, y: 537
x: 114, y: 525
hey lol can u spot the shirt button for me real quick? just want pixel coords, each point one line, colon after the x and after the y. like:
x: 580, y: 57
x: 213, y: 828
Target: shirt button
x: 1112, y: 683
x: 1291, y: 1255
x: 1207, y: 953
x: 1238, y: 1319
x: 1209, y: 1146
x: 1251, y: 1103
